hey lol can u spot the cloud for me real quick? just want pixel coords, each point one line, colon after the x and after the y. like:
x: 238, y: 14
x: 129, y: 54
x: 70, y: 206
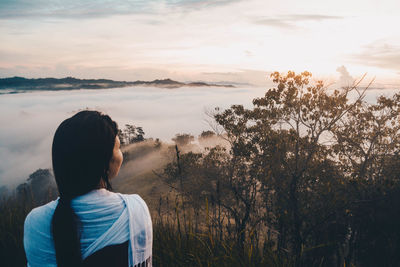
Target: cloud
x: 345, y: 78
x: 69, y: 9
x: 30, y: 119
x: 99, y: 8
x: 378, y: 54
x: 242, y: 76
x: 195, y: 4
x: 289, y: 21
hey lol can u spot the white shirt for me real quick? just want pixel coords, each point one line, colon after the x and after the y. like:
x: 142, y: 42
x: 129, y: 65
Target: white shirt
x: 106, y: 218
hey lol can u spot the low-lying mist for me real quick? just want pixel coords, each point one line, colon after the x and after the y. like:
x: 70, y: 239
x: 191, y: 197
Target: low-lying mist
x: 28, y: 121
x: 141, y: 171
x: 142, y: 168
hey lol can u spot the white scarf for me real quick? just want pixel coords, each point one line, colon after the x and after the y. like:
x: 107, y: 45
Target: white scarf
x: 106, y: 219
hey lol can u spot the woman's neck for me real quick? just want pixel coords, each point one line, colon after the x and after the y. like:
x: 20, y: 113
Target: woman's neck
x: 101, y: 185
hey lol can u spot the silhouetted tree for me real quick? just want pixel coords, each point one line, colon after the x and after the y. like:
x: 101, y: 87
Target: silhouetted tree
x: 315, y: 167
x: 131, y: 134
x: 183, y: 139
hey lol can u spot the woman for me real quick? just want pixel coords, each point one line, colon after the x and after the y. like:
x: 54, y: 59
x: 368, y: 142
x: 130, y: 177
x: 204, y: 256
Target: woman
x: 88, y: 225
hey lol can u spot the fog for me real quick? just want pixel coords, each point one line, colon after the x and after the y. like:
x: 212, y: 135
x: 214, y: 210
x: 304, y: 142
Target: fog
x: 28, y: 120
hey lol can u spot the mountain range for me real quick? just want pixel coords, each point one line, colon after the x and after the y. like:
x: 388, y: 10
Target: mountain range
x: 18, y: 84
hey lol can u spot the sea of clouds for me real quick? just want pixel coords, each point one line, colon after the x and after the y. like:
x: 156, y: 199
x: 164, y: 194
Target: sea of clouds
x: 28, y: 120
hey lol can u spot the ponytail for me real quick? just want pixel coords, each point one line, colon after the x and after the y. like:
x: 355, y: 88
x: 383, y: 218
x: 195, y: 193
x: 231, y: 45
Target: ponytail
x: 66, y: 236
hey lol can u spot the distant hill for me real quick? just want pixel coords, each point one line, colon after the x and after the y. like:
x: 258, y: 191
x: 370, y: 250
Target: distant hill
x: 18, y: 84
x: 234, y: 84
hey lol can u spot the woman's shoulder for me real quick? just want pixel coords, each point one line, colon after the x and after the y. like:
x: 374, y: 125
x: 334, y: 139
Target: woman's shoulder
x: 135, y: 198
x: 37, y: 234
x: 38, y: 221
x: 133, y: 201
x: 39, y: 216
x: 137, y: 207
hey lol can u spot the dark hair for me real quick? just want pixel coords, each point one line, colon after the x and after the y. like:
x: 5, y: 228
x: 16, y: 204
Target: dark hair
x: 81, y: 153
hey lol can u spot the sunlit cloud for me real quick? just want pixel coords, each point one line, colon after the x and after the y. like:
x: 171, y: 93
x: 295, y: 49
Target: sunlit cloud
x: 380, y: 54
x: 130, y: 40
x: 289, y: 21
x: 345, y: 78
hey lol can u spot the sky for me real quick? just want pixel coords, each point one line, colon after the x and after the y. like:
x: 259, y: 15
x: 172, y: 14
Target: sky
x: 193, y: 40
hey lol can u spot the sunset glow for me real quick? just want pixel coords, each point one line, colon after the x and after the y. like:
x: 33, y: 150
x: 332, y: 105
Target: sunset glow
x: 199, y: 40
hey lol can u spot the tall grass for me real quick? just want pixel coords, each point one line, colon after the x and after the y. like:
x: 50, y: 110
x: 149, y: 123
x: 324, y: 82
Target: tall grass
x: 180, y: 239
x: 13, y: 211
